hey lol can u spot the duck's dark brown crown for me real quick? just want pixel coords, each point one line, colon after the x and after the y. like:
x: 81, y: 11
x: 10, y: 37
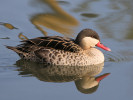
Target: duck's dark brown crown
x: 86, y: 33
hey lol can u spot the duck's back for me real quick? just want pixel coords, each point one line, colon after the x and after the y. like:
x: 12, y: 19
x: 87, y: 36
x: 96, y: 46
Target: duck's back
x: 52, y: 42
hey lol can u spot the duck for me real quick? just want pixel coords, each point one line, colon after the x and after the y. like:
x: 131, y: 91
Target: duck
x: 57, y: 50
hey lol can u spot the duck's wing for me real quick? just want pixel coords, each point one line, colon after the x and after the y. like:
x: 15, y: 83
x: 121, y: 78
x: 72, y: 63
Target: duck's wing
x: 53, y: 42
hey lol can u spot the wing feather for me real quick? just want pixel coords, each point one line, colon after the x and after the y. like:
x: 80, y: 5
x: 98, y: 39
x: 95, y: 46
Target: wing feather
x: 55, y: 42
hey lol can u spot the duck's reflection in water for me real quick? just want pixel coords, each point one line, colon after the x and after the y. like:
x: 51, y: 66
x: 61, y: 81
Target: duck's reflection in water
x: 83, y: 76
x: 89, y: 84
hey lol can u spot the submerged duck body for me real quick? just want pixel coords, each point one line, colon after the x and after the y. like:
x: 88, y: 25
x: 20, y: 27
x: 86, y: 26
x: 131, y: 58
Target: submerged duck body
x: 56, y: 50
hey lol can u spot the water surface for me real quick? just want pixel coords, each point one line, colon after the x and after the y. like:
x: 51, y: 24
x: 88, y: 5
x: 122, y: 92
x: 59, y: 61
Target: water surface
x: 112, y: 19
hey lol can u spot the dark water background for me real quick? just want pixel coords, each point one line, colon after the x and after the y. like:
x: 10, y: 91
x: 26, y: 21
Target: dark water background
x: 112, y: 19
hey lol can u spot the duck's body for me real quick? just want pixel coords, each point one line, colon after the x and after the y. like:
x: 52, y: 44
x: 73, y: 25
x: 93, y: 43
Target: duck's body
x: 56, y: 50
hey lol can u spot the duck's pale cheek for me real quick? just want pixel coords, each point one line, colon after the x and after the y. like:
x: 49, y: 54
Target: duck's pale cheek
x: 88, y: 42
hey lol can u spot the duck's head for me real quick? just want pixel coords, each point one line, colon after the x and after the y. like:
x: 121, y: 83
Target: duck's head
x: 89, y: 84
x: 88, y: 38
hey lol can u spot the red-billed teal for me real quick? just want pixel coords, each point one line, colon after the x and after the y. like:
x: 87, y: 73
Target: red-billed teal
x: 57, y: 50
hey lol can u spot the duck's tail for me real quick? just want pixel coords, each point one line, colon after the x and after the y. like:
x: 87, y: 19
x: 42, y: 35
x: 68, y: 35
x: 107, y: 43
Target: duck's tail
x: 15, y: 49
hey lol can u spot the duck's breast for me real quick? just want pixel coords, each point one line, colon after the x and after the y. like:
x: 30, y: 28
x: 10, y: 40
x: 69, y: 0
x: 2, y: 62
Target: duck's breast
x: 94, y: 56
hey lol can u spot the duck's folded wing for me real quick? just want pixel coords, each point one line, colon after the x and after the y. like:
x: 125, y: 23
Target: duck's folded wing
x: 54, y: 42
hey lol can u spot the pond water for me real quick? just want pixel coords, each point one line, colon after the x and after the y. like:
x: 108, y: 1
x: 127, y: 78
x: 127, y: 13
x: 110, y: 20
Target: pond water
x: 112, y: 19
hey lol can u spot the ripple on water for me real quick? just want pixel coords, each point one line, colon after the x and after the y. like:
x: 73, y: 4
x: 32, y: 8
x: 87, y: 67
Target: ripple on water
x: 63, y: 2
x: 114, y: 57
x: 89, y: 15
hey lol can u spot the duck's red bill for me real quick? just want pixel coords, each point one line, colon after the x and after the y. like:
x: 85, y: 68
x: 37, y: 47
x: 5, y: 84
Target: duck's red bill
x: 99, y: 44
x: 102, y: 77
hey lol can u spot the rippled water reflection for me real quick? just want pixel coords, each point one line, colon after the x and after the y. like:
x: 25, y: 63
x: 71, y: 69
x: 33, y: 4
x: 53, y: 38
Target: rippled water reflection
x: 112, y: 19
x: 83, y: 76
